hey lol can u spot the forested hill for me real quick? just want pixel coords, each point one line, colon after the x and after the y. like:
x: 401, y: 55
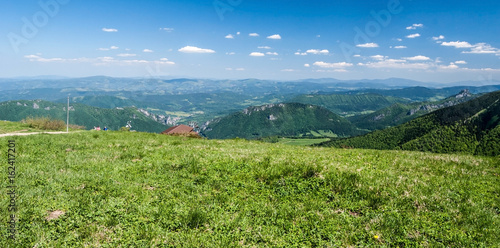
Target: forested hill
x: 80, y: 114
x: 471, y: 127
x: 345, y: 104
x: 400, y: 113
x: 286, y: 119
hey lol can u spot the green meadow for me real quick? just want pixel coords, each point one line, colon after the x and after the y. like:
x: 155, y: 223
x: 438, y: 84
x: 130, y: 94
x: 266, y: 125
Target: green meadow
x: 126, y: 189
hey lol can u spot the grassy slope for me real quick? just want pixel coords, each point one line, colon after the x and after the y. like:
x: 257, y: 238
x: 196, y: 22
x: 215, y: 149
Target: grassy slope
x: 137, y: 189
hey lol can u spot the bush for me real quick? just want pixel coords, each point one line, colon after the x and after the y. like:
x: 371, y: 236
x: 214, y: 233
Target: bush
x: 125, y: 129
x: 44, y: 123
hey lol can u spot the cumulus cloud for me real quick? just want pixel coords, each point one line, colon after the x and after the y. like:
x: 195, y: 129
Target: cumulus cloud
x: 274, y: 37
x: 457, y: 44
x: 167, y: 29
x: 418, y: 58
x: 378, y: 57
x: 257, y: 54
x: 415, y: 26
x: 126, y: 55
x: 264, y: 47
x: 413, y: 36
x: 451, y: 66
x: 253, y: 35
x: 307, y: 65
x: 192, y: 49
x: 368, y: 45
x: 230, y: 53
x: 109, y: 30
x: 400, y: 47
x: 147, y: 50
x: 300, y: 53
x: 317, y: 51
x: 441, y: 37
x: 288, y: 70
x: 483, y: 48
x: 332, y: 65
x: 272, y: 53
x: 461, y: 62
x: 229, y: 36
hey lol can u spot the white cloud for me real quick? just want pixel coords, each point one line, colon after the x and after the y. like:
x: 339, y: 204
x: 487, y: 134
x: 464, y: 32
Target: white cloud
x: 415, y: 26
x: 103, y: 49
x: 396, y: 64
x: 299, y: 53
x: 461, y: 62
x: 99, y: 61
x: 167, y: 29
x: 399, y: 39
x: 356, y: 55
x: 400, y: 47
x: 238, y: 33
x: 192, y: 49
x: 451, y: 66
x: 272, y: 53
x: 165, y: 61
x: 441, y: 37
x: 317, y: 51
x: 38, y: 58
x: 229, y: 36
x: 483, y: 48
x: 288, y: 70
x: 307, y: 65
x: 412, y: 36
x: 368, y: 45
x: 274, y: 37
x: 332, y: 65
x: 418, y: 58
x: 240, y: 69
x: 457, y: 44
x: 126, y: 55
x: 113, y: 47
x: 147, y: 50
x: 109, y: 30
x: 253, y: 35
x: 230, y: 53
x: 257, y: 54
x: 378, y: 57
x: 264, y: 47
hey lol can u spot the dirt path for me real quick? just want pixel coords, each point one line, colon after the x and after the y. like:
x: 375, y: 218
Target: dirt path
x: 24, y: 134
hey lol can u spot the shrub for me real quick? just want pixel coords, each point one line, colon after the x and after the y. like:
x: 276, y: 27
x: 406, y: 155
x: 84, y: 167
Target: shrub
x: 125, y: 129
x: 44, y: 123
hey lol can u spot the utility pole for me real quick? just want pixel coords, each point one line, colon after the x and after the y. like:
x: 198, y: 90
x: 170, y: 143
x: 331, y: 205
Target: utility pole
x: 67, y: 117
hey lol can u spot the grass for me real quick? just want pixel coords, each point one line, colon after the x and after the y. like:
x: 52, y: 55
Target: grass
x: 125, y: 189
x: 301, y: 142
x: 9, y: 127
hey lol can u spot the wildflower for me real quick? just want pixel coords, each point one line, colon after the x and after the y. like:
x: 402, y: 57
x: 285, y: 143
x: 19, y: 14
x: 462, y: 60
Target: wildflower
x: 375, y: 236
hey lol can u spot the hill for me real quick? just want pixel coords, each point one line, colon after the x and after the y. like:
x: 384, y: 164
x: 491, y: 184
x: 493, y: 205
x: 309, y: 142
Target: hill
x: 471, y: 127
x: 400, y: 113
x: 345, y: 104
x: 132, y: 189
x: 80, y: 114
x: 285, y: 119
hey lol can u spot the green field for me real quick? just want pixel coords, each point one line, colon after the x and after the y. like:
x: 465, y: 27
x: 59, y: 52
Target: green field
x: 125, y: 189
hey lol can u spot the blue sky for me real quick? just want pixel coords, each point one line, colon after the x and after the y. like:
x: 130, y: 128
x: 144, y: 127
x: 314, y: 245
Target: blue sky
x: 436, y: 41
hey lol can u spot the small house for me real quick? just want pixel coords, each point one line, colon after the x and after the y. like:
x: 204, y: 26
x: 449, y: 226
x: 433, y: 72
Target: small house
x: 181, y: 130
